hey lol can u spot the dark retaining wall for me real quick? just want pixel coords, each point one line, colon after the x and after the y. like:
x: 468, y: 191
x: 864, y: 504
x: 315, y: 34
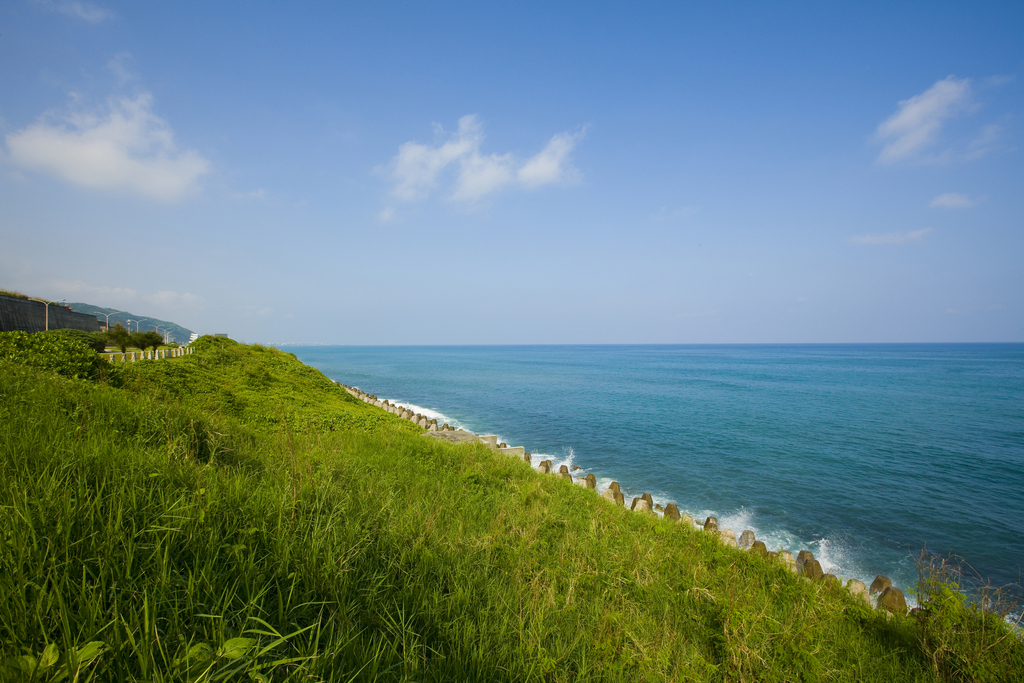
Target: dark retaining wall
x: 30, y: 316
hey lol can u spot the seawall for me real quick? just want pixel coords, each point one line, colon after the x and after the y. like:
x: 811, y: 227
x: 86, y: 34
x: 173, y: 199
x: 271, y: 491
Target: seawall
x: 26, y: 315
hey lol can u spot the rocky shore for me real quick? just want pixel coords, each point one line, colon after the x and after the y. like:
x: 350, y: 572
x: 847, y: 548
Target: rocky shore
x: 881, y: 594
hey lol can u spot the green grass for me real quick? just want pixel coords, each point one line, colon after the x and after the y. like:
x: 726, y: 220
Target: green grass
x: 232, y: 515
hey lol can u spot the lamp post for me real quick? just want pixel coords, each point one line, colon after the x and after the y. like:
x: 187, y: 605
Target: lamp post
x: 160, y: 327
x: 137, y: 323
x: 43, y: 301
x: 107, y: 319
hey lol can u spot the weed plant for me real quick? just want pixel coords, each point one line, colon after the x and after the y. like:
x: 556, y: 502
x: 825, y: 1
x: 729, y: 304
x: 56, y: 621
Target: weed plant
x: 234, y: 515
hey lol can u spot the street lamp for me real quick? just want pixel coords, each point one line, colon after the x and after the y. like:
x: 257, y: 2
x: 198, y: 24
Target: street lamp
x: 137, y: 323
x: 42, y: 301
x: 165, y: 329
x: 107, y: 318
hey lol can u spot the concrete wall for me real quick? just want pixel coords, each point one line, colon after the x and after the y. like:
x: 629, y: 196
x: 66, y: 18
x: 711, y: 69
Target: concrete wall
x: 30, y: 316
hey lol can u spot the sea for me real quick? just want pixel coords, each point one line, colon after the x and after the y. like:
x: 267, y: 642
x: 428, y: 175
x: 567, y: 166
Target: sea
x: 864, y: 454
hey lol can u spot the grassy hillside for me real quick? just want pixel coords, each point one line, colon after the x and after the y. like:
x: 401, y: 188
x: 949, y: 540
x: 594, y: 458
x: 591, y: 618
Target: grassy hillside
x: 234, y: 515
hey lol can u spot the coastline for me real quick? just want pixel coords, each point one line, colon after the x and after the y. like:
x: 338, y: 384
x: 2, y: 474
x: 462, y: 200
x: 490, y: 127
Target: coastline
x: 880, y: 593
x: 850, y: 451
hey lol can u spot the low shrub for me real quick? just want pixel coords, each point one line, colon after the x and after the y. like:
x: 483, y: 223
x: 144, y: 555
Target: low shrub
x: 59, y: 353
x: 94, y: 340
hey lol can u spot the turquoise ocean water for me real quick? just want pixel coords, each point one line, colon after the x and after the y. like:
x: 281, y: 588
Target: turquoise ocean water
x: 863, y: 454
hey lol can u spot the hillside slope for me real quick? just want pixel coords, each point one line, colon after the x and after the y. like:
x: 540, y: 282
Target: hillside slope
x: 234, y: 514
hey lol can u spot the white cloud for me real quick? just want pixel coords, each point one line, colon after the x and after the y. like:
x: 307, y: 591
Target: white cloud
x: 86, y: 11
x: 892, y: 238
x: 551, y: 164
x: 417, y: 168
x: 482, y: 175
x: 129, y: 148
x: 952, y: 200
x: 984, y: 142
x: 386, y: 214
x: 918, y: 120
x: 169, y: 299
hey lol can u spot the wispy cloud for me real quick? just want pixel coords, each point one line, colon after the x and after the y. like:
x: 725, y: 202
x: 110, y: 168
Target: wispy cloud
x: 952, y: 200
x: 86, y: 11
x: 664, y: 214
x: 123, y: 296
x: 891, y: 239
x: 919, y: 120
x: 984, y: 142
x: 252, y: 195
x: 418, y: 169
x: 174, y: 300
x: 127, y: 148
x: 117, y: 296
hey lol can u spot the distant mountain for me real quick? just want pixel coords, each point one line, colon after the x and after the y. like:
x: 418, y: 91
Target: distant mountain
x: 177, y: 332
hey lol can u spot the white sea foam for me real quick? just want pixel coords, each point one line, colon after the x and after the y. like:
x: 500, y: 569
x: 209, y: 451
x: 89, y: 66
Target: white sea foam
x: 567, y: 458
x: 428, y: 413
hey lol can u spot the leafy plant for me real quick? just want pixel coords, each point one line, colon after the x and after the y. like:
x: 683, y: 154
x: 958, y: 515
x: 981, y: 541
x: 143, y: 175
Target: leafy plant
x: 962, y: 630
x: 50, y: 667
x: 94, y: 340
x: 60, y: 353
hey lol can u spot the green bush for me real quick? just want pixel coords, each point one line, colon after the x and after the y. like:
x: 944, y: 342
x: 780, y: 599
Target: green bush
x: 60, y: 353
x: 94, y: 340
x: 208, y: 341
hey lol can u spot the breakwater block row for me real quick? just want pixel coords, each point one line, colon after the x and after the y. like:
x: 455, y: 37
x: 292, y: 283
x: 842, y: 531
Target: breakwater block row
x: 887, y: 597
x: 160, y: 354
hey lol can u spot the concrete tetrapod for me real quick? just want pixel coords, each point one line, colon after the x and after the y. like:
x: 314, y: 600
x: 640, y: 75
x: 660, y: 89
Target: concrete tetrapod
x: 614, y: 495
x: 879, y: 584
x: 892, y: 600
x: 812, y: 569
x: 803, y: 556
x: 859, y: 590
x: 788, y: 560
x: 746, y: 539
x: 728, y: 537
x: 671, y: 512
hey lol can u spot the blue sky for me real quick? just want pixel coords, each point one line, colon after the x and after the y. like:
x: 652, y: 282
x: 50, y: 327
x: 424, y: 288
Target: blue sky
x: 479, y: 173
